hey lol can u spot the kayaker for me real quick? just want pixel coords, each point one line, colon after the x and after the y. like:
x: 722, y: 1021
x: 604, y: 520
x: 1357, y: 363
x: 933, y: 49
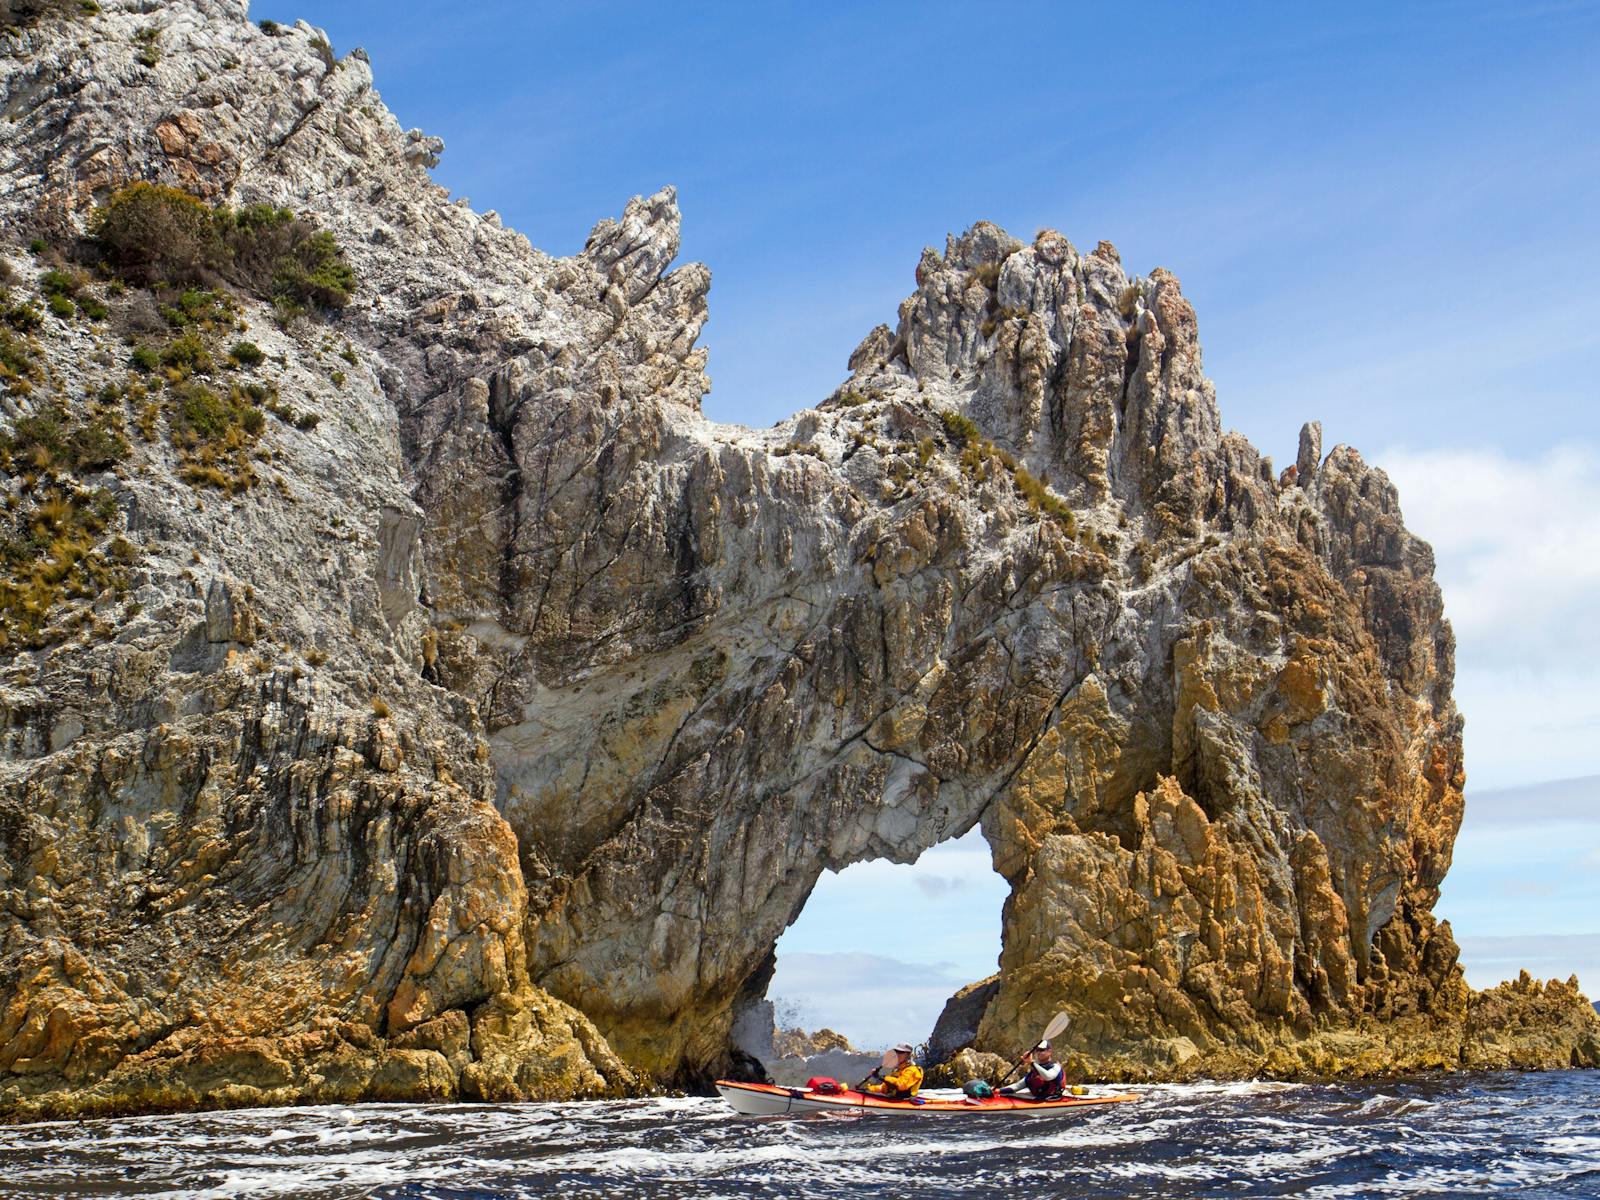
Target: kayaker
x: 902, y: 1082
x: 1044, y: 1081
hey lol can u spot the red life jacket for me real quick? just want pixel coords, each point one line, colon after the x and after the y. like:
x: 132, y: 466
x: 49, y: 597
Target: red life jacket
x: 1045, y: 1089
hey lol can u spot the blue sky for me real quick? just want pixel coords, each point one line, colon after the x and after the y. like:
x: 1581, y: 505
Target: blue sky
x: 1384, y: 215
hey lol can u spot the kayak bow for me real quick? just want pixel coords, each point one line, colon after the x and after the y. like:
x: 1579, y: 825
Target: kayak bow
x: 772, y: 1100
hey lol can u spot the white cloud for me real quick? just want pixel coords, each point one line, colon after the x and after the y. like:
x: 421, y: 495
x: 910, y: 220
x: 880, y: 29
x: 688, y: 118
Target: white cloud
x: 934, y: 886
x: 881, y: 946
x: 1489, y: 960
x: 1523, y: 865
x: 1562, y: 802
x: 1517, y: 544
x: 872, y: 999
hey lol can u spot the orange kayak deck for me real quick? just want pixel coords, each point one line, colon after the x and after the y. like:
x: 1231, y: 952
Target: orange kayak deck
x: 769, y: 1100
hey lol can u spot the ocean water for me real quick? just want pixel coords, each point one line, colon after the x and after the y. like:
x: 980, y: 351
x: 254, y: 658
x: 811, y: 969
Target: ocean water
x: 1475, y: 1135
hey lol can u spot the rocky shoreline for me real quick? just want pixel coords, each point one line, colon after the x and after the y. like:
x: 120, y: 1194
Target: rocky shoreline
x: 407, y: 693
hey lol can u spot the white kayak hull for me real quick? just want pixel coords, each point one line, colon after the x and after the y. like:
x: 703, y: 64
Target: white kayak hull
x: 771, y: 1100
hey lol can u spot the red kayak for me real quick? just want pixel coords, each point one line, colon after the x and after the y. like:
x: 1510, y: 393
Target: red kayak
x: 773, y: 1100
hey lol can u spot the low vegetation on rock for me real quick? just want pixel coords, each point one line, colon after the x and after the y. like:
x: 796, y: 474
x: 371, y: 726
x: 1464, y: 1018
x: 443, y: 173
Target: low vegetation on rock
x: 180, y: 262
x: 214, y: 433
x: 17, y: 13
x: 978, y: 457
x: 148, y: 41
x: 155, y: 235
x: 55, y: 529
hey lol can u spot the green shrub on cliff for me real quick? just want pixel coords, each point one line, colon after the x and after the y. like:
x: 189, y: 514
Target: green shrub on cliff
x: 1041, y: 499
x: 204, y: 416
x: 55, y: 282
x: 17, y: 13
x: 151, y: 234
x: 986, y: 274
x: 48, y: 553
x: 197, y: 307
x: 23, y: 317
x: 313, y: 275
x: 979, y: 454
x: 148, y: 40
x: 305, y: 422
x: 246, y: 354
x: 277, y: 254
x: 187, y: 355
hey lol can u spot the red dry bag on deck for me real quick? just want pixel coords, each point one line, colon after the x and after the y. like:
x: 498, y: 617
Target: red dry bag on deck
x: 824, y: 1085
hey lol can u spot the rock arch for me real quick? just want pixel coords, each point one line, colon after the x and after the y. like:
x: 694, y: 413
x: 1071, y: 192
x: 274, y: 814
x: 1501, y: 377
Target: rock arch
x: 1012, y: 571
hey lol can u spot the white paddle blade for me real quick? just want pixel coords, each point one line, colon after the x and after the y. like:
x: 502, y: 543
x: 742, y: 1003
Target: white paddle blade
x: 1058, y: 1023
x: 890, y: 1058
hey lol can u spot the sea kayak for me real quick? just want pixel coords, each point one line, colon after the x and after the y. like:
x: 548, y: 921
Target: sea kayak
x: 773, y: 1100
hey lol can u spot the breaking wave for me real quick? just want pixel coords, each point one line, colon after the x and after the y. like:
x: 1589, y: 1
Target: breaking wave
x: 1447, y: 1136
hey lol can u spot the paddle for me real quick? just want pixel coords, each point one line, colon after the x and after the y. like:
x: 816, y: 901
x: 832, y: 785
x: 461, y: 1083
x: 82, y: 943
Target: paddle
x: 1058, y: 1023
x: 890, y: 1058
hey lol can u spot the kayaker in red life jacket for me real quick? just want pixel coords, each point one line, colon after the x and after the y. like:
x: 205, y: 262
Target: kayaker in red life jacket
x: 1044, y: 1080
x: 903, y: 1082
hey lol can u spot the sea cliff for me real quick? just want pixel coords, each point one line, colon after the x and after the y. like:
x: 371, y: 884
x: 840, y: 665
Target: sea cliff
x: 407, y: 692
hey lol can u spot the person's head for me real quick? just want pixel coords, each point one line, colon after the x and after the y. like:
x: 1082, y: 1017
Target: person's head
x: 1042, y: 1052
x: 902, y: 1054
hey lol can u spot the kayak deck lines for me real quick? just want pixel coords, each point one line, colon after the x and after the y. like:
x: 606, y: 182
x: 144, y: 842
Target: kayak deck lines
x: 774, y: 1100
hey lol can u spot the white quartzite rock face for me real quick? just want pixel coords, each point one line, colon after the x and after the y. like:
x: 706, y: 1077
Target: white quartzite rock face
x: 647, y: 676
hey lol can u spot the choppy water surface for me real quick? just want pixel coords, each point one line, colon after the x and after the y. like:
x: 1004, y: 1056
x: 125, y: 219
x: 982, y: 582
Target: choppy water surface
x: 1531, y: 1135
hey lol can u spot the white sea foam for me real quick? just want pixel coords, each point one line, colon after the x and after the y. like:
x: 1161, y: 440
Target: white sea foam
x: 1197, y: 1140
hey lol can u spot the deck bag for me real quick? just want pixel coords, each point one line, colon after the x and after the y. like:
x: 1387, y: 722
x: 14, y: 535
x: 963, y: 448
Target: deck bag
x: 824, y: 1085
x: 978, y: 1089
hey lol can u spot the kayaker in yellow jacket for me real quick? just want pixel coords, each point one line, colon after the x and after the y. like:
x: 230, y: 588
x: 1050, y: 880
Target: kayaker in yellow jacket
x: 902, y: 1082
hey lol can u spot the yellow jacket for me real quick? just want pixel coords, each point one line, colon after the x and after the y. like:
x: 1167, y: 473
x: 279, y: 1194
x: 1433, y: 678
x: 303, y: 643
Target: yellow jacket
x: 899, y: 1084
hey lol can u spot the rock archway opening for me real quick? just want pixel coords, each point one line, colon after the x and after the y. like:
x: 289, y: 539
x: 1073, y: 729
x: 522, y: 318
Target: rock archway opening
x: 878, y: 950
